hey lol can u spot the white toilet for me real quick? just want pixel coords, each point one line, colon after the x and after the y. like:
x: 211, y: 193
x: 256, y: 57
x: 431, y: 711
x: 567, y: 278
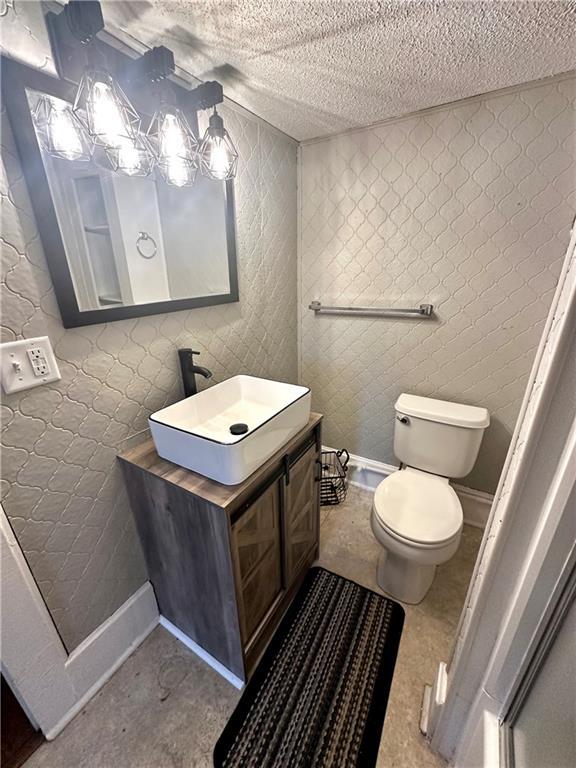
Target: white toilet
x: 416, y: 514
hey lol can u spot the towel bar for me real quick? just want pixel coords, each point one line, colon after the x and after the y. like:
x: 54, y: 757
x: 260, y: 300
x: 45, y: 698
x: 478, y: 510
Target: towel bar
x: 424, y: 311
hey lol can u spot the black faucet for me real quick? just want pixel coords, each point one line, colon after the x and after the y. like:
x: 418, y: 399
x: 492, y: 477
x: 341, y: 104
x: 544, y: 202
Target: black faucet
x: 189, y: 371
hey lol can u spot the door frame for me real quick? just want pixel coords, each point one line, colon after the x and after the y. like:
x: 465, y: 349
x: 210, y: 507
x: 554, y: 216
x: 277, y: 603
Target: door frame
x: 463, y: 722
x: 538, y: 654
x: 51, y: 684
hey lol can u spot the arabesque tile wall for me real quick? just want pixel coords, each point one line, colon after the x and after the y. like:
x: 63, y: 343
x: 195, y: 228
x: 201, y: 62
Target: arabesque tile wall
x: 467, y: 207
x: 62, y: 489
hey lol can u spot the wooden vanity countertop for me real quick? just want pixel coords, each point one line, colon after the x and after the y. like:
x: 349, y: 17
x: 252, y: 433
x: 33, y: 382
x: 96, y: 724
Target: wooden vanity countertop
x: 227, y: 497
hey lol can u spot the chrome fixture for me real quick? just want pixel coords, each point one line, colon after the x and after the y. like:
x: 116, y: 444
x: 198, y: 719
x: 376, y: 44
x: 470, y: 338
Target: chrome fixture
x: 60, y: 133
x: 144, y: 237
x: 423, y: 311
x: 217, y: 155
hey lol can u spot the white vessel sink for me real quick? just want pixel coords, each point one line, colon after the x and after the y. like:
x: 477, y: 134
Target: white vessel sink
x: 195, y: 432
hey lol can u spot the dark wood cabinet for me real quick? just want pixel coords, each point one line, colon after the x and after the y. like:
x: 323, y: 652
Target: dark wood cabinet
x: 225, y: 561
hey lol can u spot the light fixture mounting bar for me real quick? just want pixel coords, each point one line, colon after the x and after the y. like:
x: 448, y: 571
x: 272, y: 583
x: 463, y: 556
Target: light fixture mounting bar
x: 153, y: 66
x: 206, y: 95
x: 74, y: 27
x: 78, y: 24
x: 115, y: 90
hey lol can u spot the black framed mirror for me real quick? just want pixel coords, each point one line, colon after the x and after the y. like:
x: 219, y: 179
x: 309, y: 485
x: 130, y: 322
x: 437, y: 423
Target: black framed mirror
x: 120, y: 246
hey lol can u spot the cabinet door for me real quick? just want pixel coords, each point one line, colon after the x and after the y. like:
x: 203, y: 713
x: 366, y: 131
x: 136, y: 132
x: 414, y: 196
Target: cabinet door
x: 257, y: 545
x: 301, y: 512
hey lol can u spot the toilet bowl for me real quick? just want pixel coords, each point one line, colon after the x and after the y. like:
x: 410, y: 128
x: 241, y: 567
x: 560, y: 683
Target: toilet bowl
x: 417, y: 518
x: 416, y: 514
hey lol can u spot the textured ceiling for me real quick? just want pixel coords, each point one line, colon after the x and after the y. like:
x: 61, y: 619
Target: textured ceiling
x: 316, y: 68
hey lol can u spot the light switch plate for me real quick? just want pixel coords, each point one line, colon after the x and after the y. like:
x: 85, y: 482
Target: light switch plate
x: 27, y: 363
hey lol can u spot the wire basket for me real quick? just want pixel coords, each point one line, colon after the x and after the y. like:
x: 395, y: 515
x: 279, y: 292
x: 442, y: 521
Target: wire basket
x: 333, y: 483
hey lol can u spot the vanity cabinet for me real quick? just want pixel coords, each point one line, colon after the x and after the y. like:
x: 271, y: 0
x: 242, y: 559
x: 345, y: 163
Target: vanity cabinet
x: 301, y: 518
x: 225, y: 561
x: 257, y: 553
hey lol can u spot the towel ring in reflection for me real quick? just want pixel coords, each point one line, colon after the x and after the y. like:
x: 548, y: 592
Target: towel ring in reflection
x: 144, y: 237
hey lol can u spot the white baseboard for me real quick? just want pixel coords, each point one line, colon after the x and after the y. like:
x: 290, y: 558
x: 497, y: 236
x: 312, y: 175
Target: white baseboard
x: 436, y: 698
x: 476, y: 505
x: 425, y: 709
x: 204, y: 655
x: 95, y: 660
x: 368, y: 473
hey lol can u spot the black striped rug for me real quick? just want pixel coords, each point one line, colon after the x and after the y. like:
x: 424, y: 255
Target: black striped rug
x: 318, y: 697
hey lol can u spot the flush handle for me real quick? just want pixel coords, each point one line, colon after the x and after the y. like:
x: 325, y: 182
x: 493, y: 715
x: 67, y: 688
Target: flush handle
x: 403, y: 419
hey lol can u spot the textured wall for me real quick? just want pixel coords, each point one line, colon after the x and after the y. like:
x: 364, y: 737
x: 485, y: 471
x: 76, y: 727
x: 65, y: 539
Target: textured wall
x: 62, y: 489
x: 466, y: 207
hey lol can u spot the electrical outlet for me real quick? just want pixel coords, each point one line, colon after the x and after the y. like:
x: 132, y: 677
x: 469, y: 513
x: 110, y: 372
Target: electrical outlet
x: 38, y: 361
x: 27, y: 363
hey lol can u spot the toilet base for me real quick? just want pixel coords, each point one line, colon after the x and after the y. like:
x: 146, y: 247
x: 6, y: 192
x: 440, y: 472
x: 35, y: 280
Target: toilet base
x: 403, y: 579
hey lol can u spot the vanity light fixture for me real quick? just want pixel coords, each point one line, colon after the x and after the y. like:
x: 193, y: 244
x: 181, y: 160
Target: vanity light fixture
x: 104, y: 110
x: 169, y: 132
x: 112, y: 123
x: 133, y: 156
x: 175, y: 146
x: 101, y: 105
x: 217, y: 155
x: 59, y: 131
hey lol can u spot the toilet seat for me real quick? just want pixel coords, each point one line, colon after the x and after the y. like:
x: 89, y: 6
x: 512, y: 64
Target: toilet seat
x: 418, y: 507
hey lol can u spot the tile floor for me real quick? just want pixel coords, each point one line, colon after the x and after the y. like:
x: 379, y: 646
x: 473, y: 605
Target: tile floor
x: 164, y: 708
x: 348, y: 547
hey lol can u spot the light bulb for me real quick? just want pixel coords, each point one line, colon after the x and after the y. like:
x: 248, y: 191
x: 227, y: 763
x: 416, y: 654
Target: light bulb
x: 133, y: 156
x: 63, y: 134
x: 59, y: 132
x: 179, y: 173
x: 217, y: 155
x: 106, y: 116
x: 219, y: 159
x: 128, y: 158
x: 175, y: 146
x: 171, y: 137
x: 104, y: 109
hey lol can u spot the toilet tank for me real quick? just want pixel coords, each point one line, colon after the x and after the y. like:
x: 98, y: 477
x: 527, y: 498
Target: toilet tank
x: 438, y: 436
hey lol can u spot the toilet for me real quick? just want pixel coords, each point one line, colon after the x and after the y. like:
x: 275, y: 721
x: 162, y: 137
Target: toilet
x: 416, y: 514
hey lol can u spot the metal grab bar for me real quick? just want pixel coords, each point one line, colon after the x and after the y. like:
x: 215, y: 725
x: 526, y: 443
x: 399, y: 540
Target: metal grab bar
x: 423, y: 311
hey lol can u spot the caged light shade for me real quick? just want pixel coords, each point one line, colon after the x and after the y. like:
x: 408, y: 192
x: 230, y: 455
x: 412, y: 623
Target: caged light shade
x: 175, y: 146
x: 113, y: 123
x: 59, y: 131
x: 217, y: 155
x: 105, y: 111
x: 132, y: 157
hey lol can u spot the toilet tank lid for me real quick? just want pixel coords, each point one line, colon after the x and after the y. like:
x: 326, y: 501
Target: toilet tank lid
x: 442, y: 411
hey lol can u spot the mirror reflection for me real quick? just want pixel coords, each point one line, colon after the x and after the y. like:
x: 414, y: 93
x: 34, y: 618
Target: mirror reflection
x: 130, y: 239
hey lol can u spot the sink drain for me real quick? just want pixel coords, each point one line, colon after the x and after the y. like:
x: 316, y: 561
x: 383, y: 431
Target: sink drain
x: 239, y: 429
